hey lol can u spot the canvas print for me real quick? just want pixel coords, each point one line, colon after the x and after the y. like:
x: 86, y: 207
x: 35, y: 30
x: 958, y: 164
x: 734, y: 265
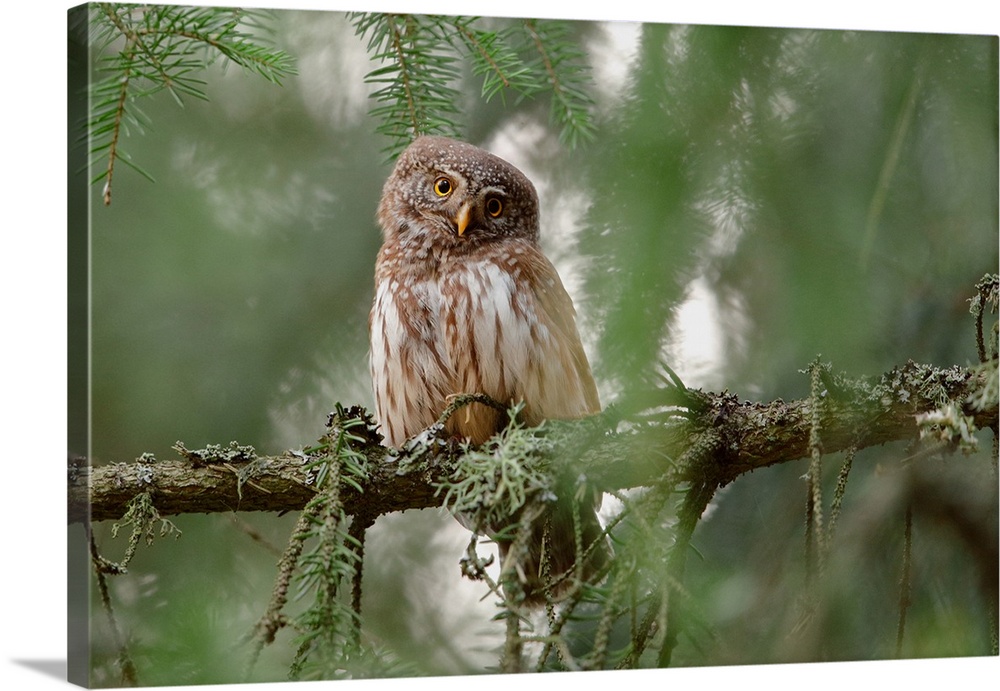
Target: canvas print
x: 411, y: 345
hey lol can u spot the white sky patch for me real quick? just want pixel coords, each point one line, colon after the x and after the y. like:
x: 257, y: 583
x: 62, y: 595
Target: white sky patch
x: 611, y: 57
x: 698, y: 347
x: 332, y: 64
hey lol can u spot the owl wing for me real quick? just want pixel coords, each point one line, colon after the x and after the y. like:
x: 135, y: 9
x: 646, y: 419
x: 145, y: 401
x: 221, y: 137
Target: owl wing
x: 510, y: 330
x: 566, y: 387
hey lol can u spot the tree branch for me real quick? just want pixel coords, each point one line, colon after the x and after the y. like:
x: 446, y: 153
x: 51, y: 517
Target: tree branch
x: 746, y: 436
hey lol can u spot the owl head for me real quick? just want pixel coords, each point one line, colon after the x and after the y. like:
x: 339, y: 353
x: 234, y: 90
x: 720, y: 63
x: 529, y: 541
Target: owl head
x: 457, y: 193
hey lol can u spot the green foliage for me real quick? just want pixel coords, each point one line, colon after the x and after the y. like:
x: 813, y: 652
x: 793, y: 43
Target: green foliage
x: 496, y: 58
x: 756, y: 161
x: 417, y: 95
x: 163, y: 47
x: 155, y: 48
x: 420, y: 75
x: 494, y: 481
x: 560, y: 62
x: 509, y: 482
x: 328, y: 627
x: 324, y: 557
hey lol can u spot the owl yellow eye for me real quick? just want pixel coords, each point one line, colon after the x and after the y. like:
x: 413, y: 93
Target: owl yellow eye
x: 442, y: 187
x: 494, y: 207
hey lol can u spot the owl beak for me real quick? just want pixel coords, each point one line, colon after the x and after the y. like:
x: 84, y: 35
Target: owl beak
x: 462, y: 218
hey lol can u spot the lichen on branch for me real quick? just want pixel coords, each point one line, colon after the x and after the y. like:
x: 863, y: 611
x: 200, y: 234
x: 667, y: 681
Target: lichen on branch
x: 611, y: 452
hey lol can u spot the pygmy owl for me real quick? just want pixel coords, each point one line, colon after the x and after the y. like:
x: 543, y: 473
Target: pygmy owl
x: 465, y: 302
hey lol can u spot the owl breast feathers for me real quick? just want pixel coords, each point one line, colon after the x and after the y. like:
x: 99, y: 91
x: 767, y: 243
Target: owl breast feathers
x: 465, y: 301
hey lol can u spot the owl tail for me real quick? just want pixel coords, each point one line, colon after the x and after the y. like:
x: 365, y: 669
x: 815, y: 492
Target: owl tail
x: 552, y: 564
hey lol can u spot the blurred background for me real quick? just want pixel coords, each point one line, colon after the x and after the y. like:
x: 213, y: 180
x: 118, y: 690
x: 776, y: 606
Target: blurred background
x: 752, y: 199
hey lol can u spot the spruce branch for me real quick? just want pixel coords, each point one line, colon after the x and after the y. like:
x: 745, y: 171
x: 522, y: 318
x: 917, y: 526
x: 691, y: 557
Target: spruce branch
x: 416, y: 76
x: 562, y: 63
x: 754, y: 435
x: 329, y: 629
x: 419, y: 72
x: 164, y: 48
x: 495, y: 58
x: 323, y: 556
